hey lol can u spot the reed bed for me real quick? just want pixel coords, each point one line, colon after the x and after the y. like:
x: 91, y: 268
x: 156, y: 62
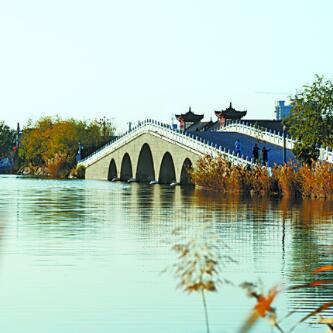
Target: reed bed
x: 313, y: 181
x: 316, y: 180
x: 286, y: 179
x: 218, y: 174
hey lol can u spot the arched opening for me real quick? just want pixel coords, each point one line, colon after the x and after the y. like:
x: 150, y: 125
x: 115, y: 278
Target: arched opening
x: 185, y: 178
x: 145, y: 171
x: 167, y: 170
x: 112, y: 170
x: 126, y: 172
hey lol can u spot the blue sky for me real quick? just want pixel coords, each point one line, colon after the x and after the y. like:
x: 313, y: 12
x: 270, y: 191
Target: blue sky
x: 131, y: 60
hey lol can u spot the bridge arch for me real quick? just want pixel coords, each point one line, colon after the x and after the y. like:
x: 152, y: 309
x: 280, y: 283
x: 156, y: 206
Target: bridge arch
x: 145, y: 171
x: 185, y: 178
x: 167, y: 170
x: 126, y: 171
x: 112, y: 170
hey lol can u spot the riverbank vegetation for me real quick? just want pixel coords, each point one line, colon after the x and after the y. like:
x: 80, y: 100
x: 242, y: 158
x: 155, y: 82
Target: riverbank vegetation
x: 7, y: 140
x: 49, y: 146
x: 309, y: 181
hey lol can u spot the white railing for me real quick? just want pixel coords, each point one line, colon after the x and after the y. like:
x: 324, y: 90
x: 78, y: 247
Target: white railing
x: 276, y: 138
x: 185, y: 139
x: 263, y: 134
x: 326, y: 154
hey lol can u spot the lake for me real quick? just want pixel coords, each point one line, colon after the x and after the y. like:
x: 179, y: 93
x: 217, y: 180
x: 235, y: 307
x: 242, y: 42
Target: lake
x: 88, y: 256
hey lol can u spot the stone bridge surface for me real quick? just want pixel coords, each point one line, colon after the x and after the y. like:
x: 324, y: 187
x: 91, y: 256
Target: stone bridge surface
x: 227, y: 140
x: 145, y: 158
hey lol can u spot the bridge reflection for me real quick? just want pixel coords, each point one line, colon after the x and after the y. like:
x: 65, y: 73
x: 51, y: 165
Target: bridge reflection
x: 276, y: 240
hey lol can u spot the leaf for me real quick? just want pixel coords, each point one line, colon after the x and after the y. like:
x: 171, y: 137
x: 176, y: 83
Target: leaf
x: 312, y: 284
x: 323, y: 269
x: 264, y: 302
x: 323, y: 320
x: 249, y: 322
x: 262, y: 308
x: 321, y: 308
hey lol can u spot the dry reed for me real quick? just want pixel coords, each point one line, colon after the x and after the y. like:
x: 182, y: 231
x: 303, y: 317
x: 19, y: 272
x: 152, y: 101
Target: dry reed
x: 217, y: 174
x: 318, y: 310
x: 316, y: 180
x: 198, y: 264
x: 286, y: 177
x: 258, y: 180
x: 263, y: 307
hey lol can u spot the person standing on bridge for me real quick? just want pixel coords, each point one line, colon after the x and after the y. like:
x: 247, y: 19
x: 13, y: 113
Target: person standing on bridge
x: 238, y: 147
x: 265, y: 155
x: 255, y: 153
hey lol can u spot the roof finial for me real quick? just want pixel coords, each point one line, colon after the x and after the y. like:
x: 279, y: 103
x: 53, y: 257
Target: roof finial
x: 230, y: 105
x: 189, y: 109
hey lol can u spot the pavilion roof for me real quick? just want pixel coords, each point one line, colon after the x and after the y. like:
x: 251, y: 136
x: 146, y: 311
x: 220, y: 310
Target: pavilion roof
x: 230, y: 113
x: 190, y: 116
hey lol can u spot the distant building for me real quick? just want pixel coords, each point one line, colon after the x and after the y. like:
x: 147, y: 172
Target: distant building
x: 282, y: 110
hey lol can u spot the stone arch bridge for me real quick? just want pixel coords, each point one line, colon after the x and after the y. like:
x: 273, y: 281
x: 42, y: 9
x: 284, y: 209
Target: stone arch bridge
x: 152, y: 152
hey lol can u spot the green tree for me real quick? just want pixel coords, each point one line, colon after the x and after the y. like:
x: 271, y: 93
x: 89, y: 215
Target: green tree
x: 7, y: 139
x: 311, y: 119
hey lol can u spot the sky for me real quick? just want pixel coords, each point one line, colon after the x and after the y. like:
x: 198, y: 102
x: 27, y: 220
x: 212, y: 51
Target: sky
x: 131, y: 60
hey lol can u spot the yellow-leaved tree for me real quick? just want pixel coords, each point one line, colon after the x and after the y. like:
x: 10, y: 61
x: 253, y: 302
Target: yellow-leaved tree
x: 53, y: 138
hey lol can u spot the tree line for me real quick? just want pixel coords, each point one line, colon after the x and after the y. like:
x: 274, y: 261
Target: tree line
x: 48, y: 138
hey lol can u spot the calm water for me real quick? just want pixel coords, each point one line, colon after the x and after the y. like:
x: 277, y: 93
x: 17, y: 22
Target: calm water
x: 87, y: 256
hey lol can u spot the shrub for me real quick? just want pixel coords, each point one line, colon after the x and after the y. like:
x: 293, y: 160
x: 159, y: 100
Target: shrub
x: 78, y: 172
x: 58, y: 166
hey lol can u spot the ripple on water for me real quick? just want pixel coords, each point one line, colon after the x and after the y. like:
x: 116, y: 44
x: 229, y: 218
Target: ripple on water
x: 87, y: 256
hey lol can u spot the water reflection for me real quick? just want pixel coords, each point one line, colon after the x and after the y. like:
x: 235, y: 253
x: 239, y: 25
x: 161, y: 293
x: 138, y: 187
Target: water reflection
x: 96, y: 236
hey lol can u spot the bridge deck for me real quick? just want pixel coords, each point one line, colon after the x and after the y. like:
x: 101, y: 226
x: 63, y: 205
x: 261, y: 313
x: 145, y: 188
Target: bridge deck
x: 227, y: 140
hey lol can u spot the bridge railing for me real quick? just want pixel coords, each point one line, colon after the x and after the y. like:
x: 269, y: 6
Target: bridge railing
x: 326, y: 154
x: 264, y: 134
x: 187, y: 139
x: 272, y: 136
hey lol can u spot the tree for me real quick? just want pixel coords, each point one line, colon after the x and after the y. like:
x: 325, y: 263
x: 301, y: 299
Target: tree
x: 311, y: 119
x: 7, y: 139
x: 52, y: 136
